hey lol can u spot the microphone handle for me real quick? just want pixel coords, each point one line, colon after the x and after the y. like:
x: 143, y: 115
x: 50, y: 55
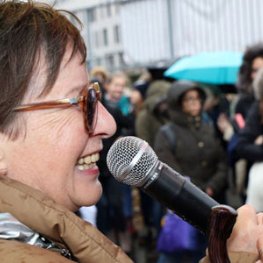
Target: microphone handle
x: 177, y: 193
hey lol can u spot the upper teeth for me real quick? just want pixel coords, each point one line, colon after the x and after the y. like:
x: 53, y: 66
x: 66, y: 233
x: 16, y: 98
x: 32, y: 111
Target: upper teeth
x: 89, y: 159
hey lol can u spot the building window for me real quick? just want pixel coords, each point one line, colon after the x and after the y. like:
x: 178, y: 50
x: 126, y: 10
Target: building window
x: 102, y: 11
x: 110, y: 61
x: 108, y: 10
x: 98, y: 61
x: 121, y: 59
x: 91, y: 14
x: 117, y: 8
x: 96, y: 42
x: 105, y: 37
x: 116, y: 34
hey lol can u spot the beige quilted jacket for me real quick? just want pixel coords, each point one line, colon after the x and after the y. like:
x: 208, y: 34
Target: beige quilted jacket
x: 42, y: 215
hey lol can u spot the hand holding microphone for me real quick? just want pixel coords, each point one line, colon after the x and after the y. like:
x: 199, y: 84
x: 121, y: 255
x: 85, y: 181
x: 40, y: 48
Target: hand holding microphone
x: 132, y: 161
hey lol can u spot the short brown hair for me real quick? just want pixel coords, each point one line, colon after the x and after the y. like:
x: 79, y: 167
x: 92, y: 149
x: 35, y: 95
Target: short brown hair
x: 27, y: 30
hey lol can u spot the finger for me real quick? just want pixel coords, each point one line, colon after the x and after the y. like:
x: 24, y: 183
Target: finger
x: 245, y: 223
x: 246, y: 216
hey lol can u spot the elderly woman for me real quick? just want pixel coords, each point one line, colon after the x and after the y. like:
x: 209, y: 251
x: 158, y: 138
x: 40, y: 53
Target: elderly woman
x: 51, y: 131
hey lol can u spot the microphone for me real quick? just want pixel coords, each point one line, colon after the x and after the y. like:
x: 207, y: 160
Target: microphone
x: 132, y: 161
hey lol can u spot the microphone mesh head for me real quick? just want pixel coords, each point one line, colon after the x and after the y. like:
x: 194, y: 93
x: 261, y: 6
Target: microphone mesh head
x: 120, y: 159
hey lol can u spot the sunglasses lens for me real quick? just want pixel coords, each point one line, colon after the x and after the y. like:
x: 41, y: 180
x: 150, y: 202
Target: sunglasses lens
x: 91, y: 109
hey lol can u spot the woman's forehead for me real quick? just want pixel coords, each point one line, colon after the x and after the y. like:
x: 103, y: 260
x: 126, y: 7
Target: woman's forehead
x: 191, y: 92
x: 71, y: 79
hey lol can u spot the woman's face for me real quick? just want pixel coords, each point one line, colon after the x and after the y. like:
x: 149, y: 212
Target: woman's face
x: 256, y: 65
x: 115, y: 88
x: 56, y: 142
x: 191, y: 103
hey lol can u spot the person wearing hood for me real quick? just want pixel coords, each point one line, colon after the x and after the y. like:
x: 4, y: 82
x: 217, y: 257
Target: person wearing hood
x: 196, y: 151
x: 154, y: 111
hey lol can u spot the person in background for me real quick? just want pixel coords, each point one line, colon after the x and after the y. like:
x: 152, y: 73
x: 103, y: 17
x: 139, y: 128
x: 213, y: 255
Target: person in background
x: 116, y: 94
x: 230, y: 127
x: 114, y: 217
x: 250, y: 145
x: 152, y: 115
x: 51, y: 129
x: 195, y: 151
x: 216, y: 106
x: 252, y: 62
x: 143, y: 82
x: 139, y: 89
x: 154, y: 111
x: 100, y: 74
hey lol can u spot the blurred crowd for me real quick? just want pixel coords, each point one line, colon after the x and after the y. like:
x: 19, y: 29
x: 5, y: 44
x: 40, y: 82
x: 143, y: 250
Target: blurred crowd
x: 212, y: 136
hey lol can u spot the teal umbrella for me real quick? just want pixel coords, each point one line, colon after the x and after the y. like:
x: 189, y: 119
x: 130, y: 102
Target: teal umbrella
x: 207, y: 67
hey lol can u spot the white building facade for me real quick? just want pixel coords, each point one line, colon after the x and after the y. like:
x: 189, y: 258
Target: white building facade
x: 132, y: 33
x: 101, y: 30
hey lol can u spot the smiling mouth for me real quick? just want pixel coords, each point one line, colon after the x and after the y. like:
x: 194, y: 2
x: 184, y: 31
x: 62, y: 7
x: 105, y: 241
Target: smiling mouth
x: 88, y: 161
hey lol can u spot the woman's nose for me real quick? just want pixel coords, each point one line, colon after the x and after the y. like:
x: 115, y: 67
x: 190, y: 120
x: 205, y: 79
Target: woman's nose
x: 106, y: 125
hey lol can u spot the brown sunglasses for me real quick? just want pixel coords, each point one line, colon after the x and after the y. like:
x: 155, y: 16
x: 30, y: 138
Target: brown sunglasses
x: 88, y: 101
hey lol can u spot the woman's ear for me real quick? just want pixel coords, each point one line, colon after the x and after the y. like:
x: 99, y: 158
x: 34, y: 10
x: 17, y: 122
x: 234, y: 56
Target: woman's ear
x: 3, y: 163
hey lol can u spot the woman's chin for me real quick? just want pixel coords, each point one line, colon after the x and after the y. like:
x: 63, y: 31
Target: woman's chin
x: 89, y: 198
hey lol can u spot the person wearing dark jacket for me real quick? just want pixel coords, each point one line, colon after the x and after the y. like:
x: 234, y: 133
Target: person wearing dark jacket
x: 114, y: 210
x: 154, y: 111
x: 246, y: 146
x: 251, y: 64
x: 196, y: 153
x: 250, y: 145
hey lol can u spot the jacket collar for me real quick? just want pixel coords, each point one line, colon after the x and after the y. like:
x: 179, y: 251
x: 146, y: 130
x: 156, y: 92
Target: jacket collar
x: 12, y: 229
